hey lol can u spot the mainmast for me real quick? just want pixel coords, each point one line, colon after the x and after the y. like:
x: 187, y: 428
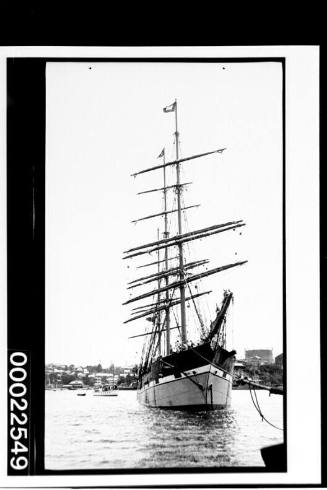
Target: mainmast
x: 180, y: 231
x: 166, y: 235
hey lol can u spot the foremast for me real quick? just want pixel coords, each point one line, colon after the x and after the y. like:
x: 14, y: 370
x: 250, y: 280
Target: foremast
x: 180, y: 232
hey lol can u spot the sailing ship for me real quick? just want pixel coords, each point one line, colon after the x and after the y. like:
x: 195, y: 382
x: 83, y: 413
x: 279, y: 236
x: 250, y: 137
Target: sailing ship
x: 188, y: 375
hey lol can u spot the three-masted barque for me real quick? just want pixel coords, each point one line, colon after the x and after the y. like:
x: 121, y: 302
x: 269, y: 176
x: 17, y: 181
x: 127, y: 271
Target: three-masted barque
x: 187, y: 375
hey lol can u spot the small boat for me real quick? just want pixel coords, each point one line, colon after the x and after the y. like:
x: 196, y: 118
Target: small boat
x: 106, y: 390
x: 81, y: 394
x: 243, y: 383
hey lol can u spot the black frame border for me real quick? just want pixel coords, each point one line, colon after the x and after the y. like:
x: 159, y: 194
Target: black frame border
x: 26, y: 91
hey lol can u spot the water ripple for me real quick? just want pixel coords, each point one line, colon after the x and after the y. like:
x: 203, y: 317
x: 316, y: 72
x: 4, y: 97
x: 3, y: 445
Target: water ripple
x: 88, y: 433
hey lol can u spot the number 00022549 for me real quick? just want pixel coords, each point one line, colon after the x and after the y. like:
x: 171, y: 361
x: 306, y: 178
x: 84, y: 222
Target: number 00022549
x: 18, y: 413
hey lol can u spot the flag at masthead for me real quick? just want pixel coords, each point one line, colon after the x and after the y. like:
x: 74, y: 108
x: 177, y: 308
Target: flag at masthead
x: 170, y: 108
x: 162, y: 153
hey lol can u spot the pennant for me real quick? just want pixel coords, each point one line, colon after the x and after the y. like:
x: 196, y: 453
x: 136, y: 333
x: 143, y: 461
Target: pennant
x: 170, y: 108
x: 162, y: 153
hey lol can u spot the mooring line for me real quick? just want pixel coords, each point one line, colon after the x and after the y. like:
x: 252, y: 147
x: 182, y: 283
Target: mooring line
x: 257, y: 407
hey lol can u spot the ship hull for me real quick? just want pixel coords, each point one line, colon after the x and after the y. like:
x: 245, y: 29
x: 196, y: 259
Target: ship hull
x: 207, y: 387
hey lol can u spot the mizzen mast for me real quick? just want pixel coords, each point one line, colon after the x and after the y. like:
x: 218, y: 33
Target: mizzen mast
x: 180, y: 230
x: 159, y: 313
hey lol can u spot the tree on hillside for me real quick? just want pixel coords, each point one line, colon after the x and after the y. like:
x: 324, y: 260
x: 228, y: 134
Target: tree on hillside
x: 53, y: 378
x: 67, y: 378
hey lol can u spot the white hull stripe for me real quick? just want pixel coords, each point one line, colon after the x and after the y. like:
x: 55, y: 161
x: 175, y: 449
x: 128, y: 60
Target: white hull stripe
x: 208, y: 369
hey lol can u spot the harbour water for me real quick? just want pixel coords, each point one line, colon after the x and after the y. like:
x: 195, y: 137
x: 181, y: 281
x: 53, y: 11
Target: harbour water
x: 117, y: 432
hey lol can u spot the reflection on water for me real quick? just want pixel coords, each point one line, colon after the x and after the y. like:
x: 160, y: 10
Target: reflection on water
x: 186, y: 439
x: 117, y: 432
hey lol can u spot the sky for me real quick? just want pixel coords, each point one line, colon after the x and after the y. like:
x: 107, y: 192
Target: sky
x: 105, y: 121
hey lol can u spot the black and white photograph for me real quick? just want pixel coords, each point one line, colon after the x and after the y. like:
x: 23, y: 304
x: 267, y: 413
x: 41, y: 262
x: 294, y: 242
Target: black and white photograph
x: 166, y: 210
x: 164, y: 278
